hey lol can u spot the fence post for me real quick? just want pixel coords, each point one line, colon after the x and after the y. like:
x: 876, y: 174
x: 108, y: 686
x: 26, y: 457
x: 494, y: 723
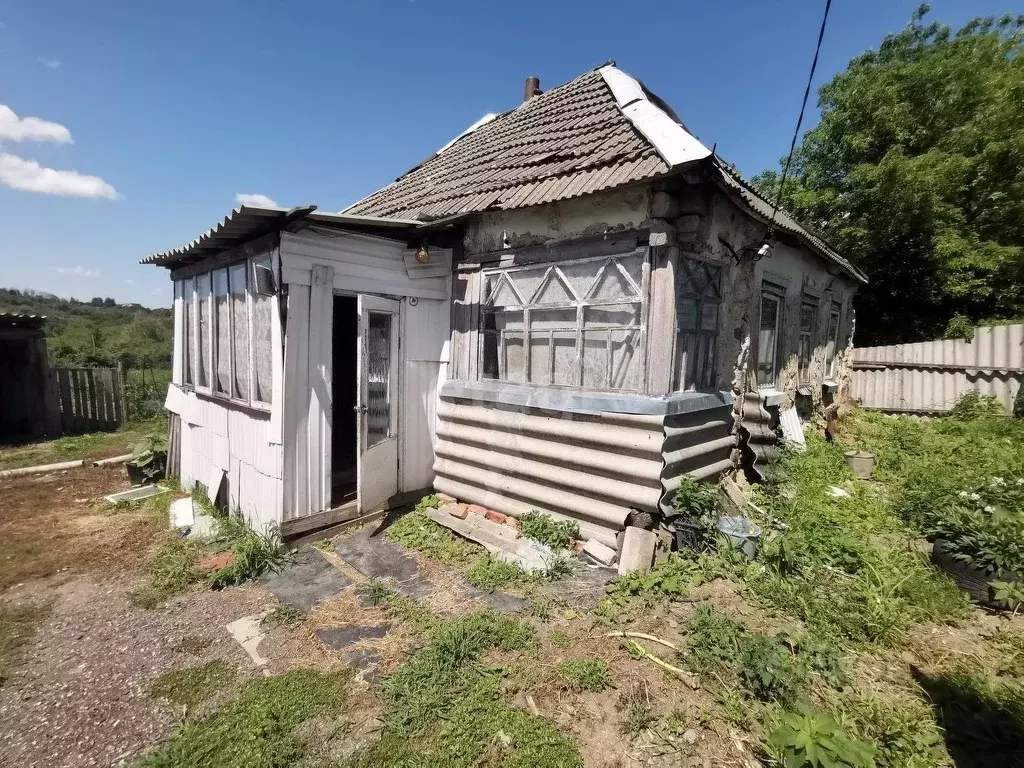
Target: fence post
x: 119, y: 386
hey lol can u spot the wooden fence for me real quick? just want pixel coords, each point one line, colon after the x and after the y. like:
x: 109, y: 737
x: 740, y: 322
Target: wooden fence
x: 930, y: 376
x: 90, y: 399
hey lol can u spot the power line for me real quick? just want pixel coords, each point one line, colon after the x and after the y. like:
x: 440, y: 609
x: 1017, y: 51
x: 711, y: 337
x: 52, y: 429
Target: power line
x: 799, y: 121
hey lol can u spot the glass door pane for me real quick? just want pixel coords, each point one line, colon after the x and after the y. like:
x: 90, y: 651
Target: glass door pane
x: 378, y: 378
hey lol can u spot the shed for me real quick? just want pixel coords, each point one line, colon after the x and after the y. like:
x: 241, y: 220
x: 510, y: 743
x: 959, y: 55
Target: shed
x: 28, y: 409
x: 565, y: 309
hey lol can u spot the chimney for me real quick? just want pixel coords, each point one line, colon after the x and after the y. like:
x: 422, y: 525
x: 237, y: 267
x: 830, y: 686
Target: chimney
x: 532, y: 88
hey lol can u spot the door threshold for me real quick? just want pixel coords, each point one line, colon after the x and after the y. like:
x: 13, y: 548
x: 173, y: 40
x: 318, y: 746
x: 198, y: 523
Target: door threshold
x: 347, y: 511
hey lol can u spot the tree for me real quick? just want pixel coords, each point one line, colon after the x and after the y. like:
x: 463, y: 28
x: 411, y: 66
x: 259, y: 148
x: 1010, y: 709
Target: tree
x: 916, y: 173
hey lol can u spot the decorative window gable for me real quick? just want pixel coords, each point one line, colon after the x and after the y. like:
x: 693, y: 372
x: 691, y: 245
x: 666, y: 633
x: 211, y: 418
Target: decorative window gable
x: 572, y: 324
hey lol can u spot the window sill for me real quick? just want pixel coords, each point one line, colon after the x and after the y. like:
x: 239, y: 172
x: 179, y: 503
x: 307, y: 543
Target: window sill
x: 585, y: 401
x: 829, y: 386
x: 220, y: 399
x: 771, y: 395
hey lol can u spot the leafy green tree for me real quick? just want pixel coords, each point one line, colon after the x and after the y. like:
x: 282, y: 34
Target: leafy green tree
x: 916, y: 173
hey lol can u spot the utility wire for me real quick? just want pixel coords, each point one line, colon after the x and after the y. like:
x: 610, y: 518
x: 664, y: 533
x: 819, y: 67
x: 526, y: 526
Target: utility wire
x: 799, y: 122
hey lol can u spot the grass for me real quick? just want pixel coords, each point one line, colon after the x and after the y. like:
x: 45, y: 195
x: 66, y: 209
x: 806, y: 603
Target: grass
x: 445, y: 707
x: 490, y: 574
x: 585, y: 675
x: 557, y: 534
x: 284, y: 615
x: 192, y: 686
x: 93, y: 445
x: 175, y: 567
x: 17, y: 625
x: 256, y: 729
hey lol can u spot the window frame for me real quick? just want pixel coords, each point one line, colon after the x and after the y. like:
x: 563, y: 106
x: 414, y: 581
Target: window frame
x: 805, y: 339
x: 776, y: 293
x: 710, y: 293
x: 191, y: 342
x: 553, y: 270
x: 836, y: 311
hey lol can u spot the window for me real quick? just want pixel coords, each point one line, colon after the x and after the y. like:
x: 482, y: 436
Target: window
x: 186, y: 291
x: 832, y: 339
x: 768, y: 336
x: 805, y: 348
x: 232, y: 322
x: 203, y: 311
x: 575, y: 324
x: 697, y: 304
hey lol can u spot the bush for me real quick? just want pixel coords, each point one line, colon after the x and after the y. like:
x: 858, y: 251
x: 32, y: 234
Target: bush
x: 585, y: 675
x: 973, y: 405
x: 813, y: 739
x: 695, y: 499
x: 255, y: 553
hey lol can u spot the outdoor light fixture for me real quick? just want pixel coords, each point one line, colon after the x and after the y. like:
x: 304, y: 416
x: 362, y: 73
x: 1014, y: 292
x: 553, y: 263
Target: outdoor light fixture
x: 423, y: 255
x: 752, y: 253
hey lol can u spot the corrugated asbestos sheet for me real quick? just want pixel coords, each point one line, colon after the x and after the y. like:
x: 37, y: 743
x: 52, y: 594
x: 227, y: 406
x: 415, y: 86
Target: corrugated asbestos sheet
x: 19, y: 320
x: 699, y: 444
x: 592, y: 468
x: 759, y: 440
x: 567, y: 142
x: 929, y: 377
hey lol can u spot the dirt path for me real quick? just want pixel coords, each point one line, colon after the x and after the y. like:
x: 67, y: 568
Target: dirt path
x: 81, y: 695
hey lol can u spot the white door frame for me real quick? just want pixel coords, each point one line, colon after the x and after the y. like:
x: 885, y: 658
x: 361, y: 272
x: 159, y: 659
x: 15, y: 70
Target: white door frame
x: 377, y: 462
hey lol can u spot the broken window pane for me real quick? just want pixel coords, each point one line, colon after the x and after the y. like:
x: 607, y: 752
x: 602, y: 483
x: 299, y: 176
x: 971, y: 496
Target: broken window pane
x: 240, y: 330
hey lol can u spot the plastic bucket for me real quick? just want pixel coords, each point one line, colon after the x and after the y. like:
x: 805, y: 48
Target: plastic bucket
x: 861, y: 463
x: 744, y: 534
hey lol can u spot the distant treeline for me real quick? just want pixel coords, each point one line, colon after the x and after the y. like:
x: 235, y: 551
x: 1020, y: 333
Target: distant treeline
x: 99, y: 332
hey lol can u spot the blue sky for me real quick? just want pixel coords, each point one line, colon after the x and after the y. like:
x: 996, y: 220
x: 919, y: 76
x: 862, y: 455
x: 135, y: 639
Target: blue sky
x: 159, y: 114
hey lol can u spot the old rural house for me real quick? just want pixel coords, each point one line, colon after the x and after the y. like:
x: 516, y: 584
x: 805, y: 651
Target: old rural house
x: 564, y: 309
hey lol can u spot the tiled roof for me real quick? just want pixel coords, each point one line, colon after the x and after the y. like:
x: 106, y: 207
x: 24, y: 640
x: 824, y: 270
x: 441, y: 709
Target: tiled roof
x: 761, y: 207
x: 567, y: 142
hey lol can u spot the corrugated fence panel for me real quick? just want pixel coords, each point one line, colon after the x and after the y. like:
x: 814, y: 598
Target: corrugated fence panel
x: 929, y: 377
x: 592, y: 468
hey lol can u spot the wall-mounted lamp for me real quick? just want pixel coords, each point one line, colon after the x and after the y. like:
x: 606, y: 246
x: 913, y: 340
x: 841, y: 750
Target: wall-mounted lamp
x: 752, y: 253
x: 423, y: 255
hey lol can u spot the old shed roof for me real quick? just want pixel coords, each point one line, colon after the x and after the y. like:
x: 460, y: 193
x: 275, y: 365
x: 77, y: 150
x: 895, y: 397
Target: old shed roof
x: 570, y: 141
x: 20, y: 320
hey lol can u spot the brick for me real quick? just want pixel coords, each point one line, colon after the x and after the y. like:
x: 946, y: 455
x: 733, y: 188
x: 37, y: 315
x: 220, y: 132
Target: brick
x: 603, y: 554
x: 445, y: 499
x: 456, y: 510
x: 476, y: 509
x: 496, y: 517
x: 215, y: 562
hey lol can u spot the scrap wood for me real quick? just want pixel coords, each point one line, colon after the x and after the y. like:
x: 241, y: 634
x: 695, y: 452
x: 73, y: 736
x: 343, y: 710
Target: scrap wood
x: 642, y: 636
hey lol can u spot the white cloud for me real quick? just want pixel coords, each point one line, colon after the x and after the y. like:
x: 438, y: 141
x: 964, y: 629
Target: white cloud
x: 129, y: 282
x: 49, y: 63
x: 78, y: 271
x: 30, y: 176
x: 14, y: 128
x: 258, y: 201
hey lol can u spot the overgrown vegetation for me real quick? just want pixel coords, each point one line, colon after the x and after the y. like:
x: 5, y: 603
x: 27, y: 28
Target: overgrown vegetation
x: 557, y: 534
x: 93, y: 445
x: 444, y: 707
x: 17, y: 625
x: 176, y: 565
x: 256, y: 729
x: 192, y: 686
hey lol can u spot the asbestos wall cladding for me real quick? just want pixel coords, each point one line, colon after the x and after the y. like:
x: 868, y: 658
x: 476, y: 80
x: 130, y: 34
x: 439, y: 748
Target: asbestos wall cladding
x: 594, y: 468
x: 699, y: 444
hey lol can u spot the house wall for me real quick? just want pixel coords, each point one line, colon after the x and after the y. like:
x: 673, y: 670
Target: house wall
x: 315, y: 265
x: 592, y: 458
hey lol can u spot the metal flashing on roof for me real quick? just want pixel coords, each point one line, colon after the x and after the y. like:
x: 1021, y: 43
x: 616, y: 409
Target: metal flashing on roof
x: 670, y: 138
x: 19, y: 319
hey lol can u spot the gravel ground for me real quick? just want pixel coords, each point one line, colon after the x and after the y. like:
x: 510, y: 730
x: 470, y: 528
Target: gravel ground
x: 80, y: 697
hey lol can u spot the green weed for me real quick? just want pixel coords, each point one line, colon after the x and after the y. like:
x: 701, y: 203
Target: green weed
x: 444, y: 707
x: 172, y: 571
x: 585, y: 675
x: 284, y: 615
x: 490, y: 574
x: 812, y: 739
x: 673, y: 578
x: 255, y: 553
x: 256, y: 728
x: 193, y: 685
x: 560, y: 639
x: 557, y: 534
x: 324, y: 545
x: 417, y: 531
x: 377, y: 593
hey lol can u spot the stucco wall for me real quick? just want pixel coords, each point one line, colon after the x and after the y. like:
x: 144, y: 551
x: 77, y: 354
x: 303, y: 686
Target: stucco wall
x: 593, y: 214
